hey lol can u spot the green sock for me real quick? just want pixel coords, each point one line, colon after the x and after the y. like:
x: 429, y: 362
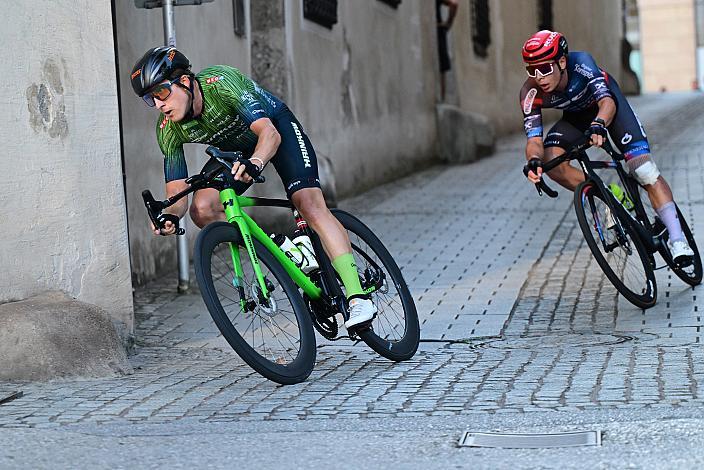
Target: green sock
x: 347, y: 269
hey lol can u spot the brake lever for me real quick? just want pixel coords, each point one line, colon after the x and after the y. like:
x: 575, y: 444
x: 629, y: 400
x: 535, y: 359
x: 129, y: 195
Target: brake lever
x: 163, y: 218
x: 158, y: 218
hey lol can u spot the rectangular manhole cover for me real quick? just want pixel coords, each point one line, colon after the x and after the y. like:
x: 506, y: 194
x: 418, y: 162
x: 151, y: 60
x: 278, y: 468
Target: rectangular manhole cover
x: 530, y: 441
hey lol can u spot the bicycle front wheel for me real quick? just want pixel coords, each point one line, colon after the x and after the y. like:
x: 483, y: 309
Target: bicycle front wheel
x: 275, y: 335
x: 614, y: 242
x: 395, y: 331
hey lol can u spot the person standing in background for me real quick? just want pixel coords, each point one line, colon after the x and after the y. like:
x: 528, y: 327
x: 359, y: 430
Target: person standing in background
x: 443, y: 28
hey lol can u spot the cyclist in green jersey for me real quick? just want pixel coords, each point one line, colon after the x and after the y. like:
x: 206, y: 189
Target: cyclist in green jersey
x: 220, y: 106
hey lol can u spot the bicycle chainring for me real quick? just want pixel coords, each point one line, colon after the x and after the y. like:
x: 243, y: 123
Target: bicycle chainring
x: 324, y: 319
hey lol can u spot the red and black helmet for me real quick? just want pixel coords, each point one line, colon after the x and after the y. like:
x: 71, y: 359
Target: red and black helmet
x: 157, y: 65
x: 543, y: 46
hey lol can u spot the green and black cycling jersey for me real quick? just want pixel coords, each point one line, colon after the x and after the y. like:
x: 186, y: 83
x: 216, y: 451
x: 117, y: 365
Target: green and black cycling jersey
x: 231, y: 103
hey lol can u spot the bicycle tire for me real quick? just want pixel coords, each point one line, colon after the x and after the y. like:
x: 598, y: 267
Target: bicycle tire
x: 588, y: 191
x: 300, y: 367
x: 395, y: 349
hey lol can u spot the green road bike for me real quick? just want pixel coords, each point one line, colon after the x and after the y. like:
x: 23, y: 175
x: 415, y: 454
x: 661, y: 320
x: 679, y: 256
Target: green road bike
x: 264, y: 305
x: 623, y: 235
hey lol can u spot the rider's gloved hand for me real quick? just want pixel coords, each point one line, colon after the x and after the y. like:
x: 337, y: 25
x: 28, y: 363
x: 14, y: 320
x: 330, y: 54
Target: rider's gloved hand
x: 170, y: 226
x: 240, y: 172
x: 597, y: 129
x: 535, y: 167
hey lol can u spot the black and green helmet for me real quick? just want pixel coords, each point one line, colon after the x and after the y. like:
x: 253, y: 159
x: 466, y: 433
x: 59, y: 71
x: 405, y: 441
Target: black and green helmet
x: 158, y: 64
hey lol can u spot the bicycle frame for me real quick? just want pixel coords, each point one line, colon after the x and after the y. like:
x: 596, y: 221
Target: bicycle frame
x: 642, y: 224
x: 233, y: 204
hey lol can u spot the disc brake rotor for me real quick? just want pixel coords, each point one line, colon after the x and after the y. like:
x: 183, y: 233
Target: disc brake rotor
x: 268, y: 306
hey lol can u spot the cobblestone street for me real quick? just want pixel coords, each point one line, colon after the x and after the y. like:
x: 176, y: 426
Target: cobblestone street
x: 521, y: 332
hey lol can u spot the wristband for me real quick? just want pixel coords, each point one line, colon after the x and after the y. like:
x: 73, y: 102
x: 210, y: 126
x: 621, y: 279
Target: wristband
x: 261, y: 162
x: 598, y: 120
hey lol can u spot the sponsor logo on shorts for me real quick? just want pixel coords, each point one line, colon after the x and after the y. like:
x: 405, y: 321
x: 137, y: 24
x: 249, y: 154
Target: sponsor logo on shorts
x: 528, y: 102
x: 626, y: 138
x: 302, y: 145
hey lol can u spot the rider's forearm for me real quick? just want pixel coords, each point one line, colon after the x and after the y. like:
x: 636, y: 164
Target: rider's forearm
x: 172, y: 188
x: 607, y: 110
x: 267, y: 144
x: 534, y: 148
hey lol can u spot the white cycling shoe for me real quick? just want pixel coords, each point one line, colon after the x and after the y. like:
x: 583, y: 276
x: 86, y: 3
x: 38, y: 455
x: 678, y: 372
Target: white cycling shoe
x: 361, y: 310
x: 680, y: 250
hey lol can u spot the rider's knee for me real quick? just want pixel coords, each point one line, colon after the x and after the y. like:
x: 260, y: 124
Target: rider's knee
x: 201, y: 213
x: 311, y: 205
x: 559, y: 173
x: 644, y: 170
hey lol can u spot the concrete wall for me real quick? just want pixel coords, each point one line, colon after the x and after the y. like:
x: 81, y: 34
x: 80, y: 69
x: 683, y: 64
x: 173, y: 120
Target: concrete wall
x: 490, y: 85
x: 668, y: 44
x: 365, y: 90
x: 205, y: 33
x: 63, y: 208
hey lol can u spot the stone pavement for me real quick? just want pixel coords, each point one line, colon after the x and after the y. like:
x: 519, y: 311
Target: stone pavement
x: 517, y: 322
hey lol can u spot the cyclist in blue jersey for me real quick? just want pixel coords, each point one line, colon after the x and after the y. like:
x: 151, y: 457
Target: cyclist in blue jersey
x: 220, y: 106
x: 591, y: 101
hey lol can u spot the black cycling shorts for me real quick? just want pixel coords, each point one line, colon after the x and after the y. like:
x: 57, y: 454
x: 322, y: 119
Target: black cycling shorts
x: 295, y: 159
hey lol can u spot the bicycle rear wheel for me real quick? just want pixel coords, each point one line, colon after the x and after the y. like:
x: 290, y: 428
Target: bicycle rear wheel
x: 618, y: 250
x: 395, y: 331
x: 692, y: 273
x: 274, y: 336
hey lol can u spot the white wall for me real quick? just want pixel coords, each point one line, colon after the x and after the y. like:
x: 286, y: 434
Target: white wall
x: 63, y: 208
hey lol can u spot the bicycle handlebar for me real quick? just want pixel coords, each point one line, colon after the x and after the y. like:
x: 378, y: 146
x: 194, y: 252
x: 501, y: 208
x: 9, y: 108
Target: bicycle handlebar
x: 225, y: 162
x: 542, y: 186
x: 158, y: 218
x: 232, y: 157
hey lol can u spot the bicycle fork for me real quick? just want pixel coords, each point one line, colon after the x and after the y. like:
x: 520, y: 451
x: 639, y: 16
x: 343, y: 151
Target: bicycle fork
x: 234, y: 216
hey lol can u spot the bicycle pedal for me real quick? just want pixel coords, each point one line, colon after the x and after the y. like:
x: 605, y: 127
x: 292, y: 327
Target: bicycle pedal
x: 361, y: 327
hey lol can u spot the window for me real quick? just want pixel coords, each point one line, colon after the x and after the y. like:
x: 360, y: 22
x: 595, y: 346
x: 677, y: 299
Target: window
x: 323, y: 12
x: 544, y: 14
x: 391, y: 3
x: 481, y: 28
x: 239, y: 19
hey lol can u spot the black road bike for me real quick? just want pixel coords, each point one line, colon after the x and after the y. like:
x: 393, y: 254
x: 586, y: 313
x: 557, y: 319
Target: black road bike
x: 622, y: 237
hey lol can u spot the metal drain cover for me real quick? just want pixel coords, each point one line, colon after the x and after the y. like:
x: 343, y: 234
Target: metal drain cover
x: 530, y: 441
x: 573, y: 340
